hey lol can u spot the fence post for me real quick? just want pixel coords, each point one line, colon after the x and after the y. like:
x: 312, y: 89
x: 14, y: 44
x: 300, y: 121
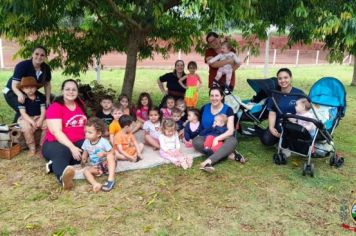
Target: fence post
x: 350, y: 59
x: 265, y: 70
x: 248, y: 57
x: 1, y: 55
x: 179, y: 54
x: 274, y: 56
x: 297, y: 58
x: 317, y: 57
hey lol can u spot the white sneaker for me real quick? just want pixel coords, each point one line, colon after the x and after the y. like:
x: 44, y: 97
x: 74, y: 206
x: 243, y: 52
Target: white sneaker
x: 49, y: 167
x: 67, y: 178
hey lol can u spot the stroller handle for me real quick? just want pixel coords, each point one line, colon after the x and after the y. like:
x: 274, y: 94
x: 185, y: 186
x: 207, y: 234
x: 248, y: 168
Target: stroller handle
x: 317, y: 123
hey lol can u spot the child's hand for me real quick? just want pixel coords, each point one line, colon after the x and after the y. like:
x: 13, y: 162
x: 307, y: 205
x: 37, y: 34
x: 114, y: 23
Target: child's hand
x: 101, y: 154
x: 215, y: 142
x: 32, y: 123
x: 39, y: 123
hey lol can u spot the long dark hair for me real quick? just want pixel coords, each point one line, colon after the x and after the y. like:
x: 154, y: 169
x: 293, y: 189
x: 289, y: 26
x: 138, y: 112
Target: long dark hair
x: 220, y: 91
x: 142, y: 95
x: 78, y: 101
x: 175, y: 64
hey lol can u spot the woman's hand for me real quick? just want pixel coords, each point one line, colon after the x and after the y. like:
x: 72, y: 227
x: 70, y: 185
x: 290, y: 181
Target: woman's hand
x: 39, y: 123
x: 215, y: 142
x: 274, y: 132
x: 76, y: 153
x: 20, y: 98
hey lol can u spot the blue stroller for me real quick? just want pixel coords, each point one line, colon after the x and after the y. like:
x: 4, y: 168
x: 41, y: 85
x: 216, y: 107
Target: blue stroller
x: 328, y: 99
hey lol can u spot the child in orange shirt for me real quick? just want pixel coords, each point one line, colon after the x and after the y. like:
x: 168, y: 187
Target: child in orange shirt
x: 126, y: 142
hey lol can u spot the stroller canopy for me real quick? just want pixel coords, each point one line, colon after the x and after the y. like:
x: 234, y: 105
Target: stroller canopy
x: 329, y: 91
x: 263, y: 87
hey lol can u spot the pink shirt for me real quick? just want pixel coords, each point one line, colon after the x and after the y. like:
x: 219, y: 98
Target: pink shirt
x: 192, y: 80
x: 142, y: 113
x: 72, y: 121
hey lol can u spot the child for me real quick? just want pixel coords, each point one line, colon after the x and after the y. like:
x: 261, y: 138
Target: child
x: 303, y: 108
x: 106, y: 109
x: 152, y: 128
x: 126, y: 104
x: 32, y: 112
x: 114, y: 127
x: 180, y: 104
x: 167, y: 109
x: 226, y: 54
x: 192, y: 128
x: 144, y: 104
x: 219, y: 127
x: 177, y: 116
x: 99, y: 151
x: 126, y: 142
x: 170, y: 145
x: 193, y: 83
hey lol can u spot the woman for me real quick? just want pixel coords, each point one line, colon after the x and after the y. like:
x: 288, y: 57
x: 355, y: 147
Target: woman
x: 171, y: 79
x: 286, y: 104
x: 35, y: 67
x: 65, y: 121
x: 208, y: 112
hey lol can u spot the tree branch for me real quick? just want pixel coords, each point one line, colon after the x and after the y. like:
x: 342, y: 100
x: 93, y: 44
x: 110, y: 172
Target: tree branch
x: 101, y: 18
x: 123, y: 16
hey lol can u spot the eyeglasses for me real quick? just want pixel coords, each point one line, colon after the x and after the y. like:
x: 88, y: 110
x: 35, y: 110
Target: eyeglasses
x: 40, y: 54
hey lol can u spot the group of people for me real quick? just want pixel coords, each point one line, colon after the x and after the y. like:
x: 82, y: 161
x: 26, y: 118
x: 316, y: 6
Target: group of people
x: 102, y: 141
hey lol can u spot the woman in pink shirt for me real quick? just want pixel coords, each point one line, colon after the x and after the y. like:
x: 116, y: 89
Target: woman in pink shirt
x: 65, y: 119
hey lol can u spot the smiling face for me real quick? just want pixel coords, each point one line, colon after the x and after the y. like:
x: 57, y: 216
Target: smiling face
x: 124, y: 102
x: 170, y: 103
x: 284, y: 80
x: 216, y: 97
x: 70, y: 91
x: 214, y: 43
x: 179, y: 66
x: 144, y: 101
x: 224, y: 49
x: 117, y: 113
x: 38, y: 56
x: 153, y: 116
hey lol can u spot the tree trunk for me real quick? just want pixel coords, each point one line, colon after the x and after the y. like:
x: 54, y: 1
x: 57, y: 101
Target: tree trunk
x: 353, y: 83
x: 133, y: 44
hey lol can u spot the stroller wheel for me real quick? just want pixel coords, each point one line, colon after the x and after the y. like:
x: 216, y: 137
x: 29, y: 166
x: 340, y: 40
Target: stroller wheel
x: 277, y: 159
x: 312, y: 170
x: 283, y: 159
x: 304, y: 169
x: 332, y: 159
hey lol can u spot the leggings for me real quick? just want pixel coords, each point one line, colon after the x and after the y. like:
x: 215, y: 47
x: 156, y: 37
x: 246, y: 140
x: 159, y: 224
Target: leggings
x: 227, y: 148
x: 60, y: 156
x: 11, y: 99
x: 266, y: 136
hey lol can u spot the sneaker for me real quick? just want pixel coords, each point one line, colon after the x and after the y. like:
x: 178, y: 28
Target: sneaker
x: 67, y: 178
x: 49, y: 167
x: 208, y: 168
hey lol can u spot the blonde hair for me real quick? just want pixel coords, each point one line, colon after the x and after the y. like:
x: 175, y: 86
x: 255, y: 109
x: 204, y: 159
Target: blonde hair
x: 223, y: 118
x: 168, y: 124
x: 305, y: 102
x: 117, y: 107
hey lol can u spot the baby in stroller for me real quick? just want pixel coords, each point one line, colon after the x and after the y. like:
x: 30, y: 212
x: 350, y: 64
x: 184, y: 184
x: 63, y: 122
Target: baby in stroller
x: 303, y: 109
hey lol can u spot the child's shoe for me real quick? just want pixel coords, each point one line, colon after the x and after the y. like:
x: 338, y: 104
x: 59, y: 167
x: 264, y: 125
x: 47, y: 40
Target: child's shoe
x: 108, y: 186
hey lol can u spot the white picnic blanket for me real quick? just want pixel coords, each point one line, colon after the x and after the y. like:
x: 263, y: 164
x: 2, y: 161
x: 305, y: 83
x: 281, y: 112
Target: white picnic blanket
x: 151, y: 159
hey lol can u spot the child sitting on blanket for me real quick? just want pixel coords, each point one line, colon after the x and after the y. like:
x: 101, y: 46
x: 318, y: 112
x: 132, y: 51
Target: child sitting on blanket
x: 180, y: 104
x: 170, y: 145
x: 166, y: 111
x: 176, y: 116
x: 144, y: 104
x: 126, y: 142
x: 152, y: 128
x: 99, y: 152
x: 219, y: 127
x: 192, y: 128
x: 32, y: 112
x: 114, y: 127
x: 105, y: 113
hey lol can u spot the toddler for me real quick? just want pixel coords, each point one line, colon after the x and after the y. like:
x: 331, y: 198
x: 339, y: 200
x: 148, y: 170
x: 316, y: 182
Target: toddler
x: 219, y: 127
x: 114, y: 127
x: 180, y: 104
x: 152, y: 128
x: 99, y: 152
x: 126, y: 142
x: 126, y: 105
x: 144, y: 104
x: 170, y: 145
x: 32, y: 112
x: 167, y: 109
x: 226, y: 54
x: 106, y: 104
x: 177, y: 117
x: 192, y: 128
x: 303, y: 108
x: 192, y: 84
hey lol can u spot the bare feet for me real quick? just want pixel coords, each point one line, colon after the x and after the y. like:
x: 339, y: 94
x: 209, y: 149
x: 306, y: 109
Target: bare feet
x: 97, y: 187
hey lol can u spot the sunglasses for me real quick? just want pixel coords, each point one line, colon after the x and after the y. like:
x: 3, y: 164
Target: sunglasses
x: 40, y: 54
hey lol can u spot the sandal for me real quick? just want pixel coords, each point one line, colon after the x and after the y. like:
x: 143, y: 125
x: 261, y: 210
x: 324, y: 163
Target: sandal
x: 108, y: 186
x: 239, y: 157
x: 208, y: 168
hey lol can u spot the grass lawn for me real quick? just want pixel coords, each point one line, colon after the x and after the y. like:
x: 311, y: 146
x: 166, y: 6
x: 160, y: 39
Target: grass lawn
x: 257, y: 198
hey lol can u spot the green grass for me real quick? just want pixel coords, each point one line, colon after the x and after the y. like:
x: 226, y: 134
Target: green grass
x: 257, y: 198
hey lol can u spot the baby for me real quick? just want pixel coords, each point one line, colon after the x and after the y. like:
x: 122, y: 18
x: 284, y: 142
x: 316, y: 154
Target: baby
x: 226, y: 54
x: 303, y: 108
x: 219, y: 127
